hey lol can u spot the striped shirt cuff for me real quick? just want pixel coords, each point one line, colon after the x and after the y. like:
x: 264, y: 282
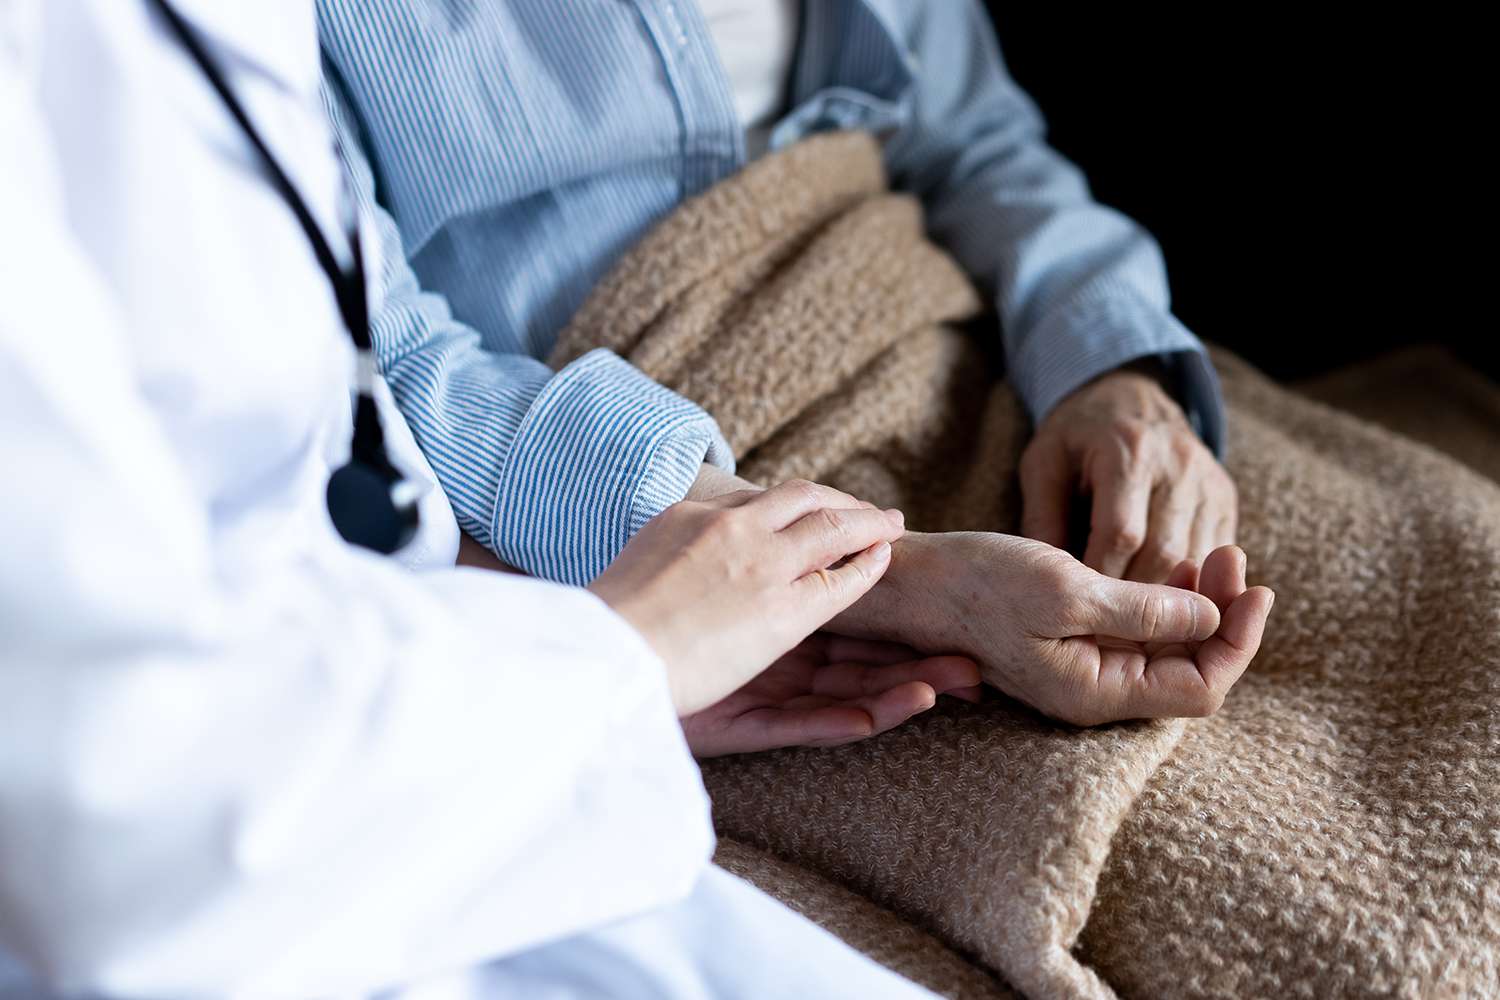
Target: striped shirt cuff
x: 1069, y: 349
x: 602, y: 450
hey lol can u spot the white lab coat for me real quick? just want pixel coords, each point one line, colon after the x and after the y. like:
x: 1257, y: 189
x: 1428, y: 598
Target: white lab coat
x: 238, y: 757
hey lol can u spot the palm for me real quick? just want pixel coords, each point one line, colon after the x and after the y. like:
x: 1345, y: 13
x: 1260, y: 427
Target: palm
x: 1186, y: 668
x: 828, y: 690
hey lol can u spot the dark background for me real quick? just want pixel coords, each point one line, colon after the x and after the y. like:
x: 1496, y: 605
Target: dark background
x: 1316, y: 182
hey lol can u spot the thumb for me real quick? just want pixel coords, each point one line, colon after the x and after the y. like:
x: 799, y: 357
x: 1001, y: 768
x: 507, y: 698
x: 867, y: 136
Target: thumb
x: 1046, y: 490
x: 1144, y: 612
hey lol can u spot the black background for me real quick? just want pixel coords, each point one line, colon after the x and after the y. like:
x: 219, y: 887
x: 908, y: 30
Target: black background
x: 1315, y: 181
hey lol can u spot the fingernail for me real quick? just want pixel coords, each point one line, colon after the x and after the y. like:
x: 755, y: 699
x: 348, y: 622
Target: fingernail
x: 881, y: 552
x: 897, y: 518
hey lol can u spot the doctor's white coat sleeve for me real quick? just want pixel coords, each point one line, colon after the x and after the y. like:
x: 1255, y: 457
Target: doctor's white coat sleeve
x: 316, y: 774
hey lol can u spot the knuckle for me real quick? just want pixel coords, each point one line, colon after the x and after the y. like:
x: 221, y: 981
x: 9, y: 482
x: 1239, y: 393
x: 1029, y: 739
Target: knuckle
x: 1124, y: 540
x: 1056, y: 573
x: 855, y: 573
x: 831, y: 522
x: 825, y: 582
x: 1135, y: 436
x: 1058, y: 591
x: 723, y: 516
x: 722, y: 523
x: 804, y: 488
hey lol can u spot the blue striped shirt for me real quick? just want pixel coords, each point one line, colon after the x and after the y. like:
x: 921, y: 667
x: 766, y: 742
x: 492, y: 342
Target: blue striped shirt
x: 518, y: 147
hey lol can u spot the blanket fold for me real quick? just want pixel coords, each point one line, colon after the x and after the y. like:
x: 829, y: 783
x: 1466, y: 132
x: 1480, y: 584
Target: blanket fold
x: 1333, y: 831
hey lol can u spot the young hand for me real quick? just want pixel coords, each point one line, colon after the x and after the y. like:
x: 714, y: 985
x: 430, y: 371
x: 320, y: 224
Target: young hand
x: 829, y: 690
x: 722, y: 587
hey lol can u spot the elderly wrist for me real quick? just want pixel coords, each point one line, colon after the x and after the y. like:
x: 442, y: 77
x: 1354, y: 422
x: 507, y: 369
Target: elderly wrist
x: 901, y: 606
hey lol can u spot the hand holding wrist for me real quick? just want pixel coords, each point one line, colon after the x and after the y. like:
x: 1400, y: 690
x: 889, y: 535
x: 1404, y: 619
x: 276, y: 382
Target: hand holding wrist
x: 721, y: 588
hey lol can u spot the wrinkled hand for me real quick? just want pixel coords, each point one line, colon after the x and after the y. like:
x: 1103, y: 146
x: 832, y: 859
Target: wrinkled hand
x: 1159, y: 495
x: 827, y: 691
x: 720, y: 588
x: 1075, y: 644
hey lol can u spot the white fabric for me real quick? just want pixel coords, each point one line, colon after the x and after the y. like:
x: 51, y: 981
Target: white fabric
x: 726, y: 941
x: 756, y: 40
x: 237, y: 757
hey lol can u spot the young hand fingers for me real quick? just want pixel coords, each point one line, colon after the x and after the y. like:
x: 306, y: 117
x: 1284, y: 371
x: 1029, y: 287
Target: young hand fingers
x: 847, y: 649
x: 854, y: 680
x: 827, y: 534
x: 787, y: 502
x: 824, y: 723
x: 818, y: 721
x: 825, y: 592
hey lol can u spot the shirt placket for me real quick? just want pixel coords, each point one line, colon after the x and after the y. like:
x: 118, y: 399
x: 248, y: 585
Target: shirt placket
x: 711, y: 141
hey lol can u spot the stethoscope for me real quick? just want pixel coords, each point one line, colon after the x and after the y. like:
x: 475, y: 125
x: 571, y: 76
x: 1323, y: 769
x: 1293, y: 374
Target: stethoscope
x: 370, y: 503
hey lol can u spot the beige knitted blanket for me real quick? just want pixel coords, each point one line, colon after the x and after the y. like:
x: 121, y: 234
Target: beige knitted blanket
x: 1334, y: 831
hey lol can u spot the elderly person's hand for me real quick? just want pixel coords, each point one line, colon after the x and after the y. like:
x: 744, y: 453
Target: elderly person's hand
x: 1159, y: 496
x: 1072, y: 643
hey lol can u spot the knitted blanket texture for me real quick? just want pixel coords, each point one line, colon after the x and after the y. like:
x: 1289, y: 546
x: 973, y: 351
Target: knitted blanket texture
x: 1333, y: 832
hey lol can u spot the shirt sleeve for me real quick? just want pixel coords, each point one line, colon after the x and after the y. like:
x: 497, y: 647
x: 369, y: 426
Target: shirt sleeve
x: 298, y: 770
x: 554, y: 472
x: 1080, y: 288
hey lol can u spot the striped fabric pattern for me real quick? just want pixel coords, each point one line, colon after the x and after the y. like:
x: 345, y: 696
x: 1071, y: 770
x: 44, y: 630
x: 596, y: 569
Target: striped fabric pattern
x: 554, y: 472
x: 517, y: 147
